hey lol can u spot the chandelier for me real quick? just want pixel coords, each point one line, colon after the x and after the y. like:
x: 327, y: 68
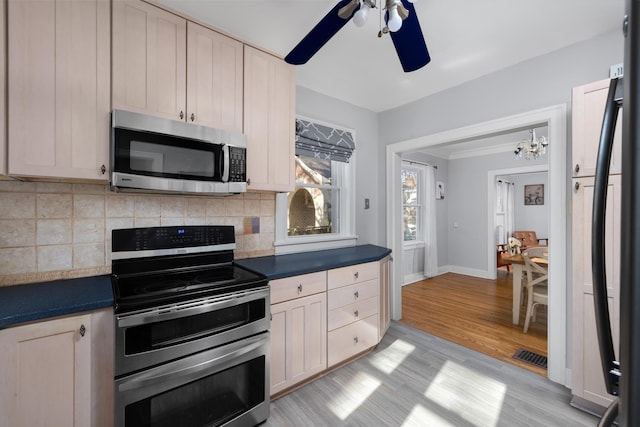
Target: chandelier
x: 531, y: 149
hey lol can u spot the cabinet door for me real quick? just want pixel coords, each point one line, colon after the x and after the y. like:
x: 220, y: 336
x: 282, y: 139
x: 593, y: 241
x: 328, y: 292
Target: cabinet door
x: 214, y: 79
x: 59, y: 77
x: 269, y: 121
x: 588, y: 111
x: 298, y: 340
x: 45, y: 373
x: 587, y: 381
x: 149, y: 60
x: 384, y: 312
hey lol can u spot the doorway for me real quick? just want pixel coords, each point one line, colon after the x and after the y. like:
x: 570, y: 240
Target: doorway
x: 555, y: 118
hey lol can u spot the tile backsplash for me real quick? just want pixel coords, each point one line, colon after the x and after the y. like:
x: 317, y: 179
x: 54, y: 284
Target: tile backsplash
x: 51, y: 231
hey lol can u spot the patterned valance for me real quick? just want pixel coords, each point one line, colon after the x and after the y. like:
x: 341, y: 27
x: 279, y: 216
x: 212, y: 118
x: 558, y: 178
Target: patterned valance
x: 323, y: 142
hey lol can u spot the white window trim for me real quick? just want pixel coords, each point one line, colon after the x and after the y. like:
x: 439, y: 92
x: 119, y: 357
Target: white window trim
x: 419, y: 242
x: 285, y: 244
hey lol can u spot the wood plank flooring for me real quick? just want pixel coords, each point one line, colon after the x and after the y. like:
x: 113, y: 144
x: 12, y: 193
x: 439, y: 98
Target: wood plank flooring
x: 416, y: 379
x: 475, y: 313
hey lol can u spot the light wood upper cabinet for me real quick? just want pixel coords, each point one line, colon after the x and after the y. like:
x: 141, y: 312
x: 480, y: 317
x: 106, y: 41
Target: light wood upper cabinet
x: 269, y: 121
x: 58, y: 88
x: 46, y: 373
x: 588, y: 106
x: 166, y: 66
x: 214, y: 79
x: 149, y: 60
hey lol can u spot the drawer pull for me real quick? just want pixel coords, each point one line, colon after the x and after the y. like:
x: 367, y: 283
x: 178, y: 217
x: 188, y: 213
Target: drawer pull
x: 355, y: 340
x: 356, y: 294
x: 300, y: 288
x: 355, y: 313
x: 83, y: 330
x: 355, y: 275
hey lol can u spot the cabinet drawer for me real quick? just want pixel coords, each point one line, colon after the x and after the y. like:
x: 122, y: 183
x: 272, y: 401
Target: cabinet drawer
x: 344, y: 315
x: 352, y: 274
x: 350, y: 294
x: 297, y: 286
x: 352, y: 339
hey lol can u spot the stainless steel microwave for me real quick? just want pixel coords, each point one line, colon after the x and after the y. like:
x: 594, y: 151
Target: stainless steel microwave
x: 160, y: 155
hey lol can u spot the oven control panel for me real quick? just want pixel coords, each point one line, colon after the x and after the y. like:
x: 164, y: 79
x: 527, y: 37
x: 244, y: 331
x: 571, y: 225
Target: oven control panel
x: 176, y: 237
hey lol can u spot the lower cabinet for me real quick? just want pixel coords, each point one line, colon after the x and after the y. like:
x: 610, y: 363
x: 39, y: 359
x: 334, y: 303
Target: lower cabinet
x: 322, y: 319
x: 50, y: 374
x: 298, y: 330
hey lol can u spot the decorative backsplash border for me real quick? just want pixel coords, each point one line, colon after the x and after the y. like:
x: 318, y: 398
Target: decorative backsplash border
x: 52, y: 231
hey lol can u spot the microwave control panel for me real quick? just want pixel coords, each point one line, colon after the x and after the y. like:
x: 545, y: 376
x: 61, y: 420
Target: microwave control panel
x: 237, y: 164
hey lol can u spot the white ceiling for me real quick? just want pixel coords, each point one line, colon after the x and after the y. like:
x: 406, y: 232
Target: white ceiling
x: 466, y: 39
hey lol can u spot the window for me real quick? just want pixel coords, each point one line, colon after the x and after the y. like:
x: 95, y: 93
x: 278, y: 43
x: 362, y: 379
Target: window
x: 411, y: 203
x: 319, y: 212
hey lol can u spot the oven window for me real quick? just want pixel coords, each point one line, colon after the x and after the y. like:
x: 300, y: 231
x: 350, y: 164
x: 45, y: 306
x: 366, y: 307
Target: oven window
x: 209, y: 401
x: 142, y: 338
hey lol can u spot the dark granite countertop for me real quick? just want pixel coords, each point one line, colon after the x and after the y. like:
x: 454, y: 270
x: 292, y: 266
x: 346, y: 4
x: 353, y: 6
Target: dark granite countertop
x: 278, y: 266
x: 25, y: 303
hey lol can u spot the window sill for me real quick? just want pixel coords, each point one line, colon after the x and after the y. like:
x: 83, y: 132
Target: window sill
x: 413, y: 245
x: 313, y: 243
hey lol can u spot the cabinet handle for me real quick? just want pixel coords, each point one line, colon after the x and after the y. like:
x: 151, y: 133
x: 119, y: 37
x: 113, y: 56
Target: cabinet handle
x: 577, y: 168
x: 355, y: 275
x: 355, y: 313
x: 83, y: 330
x: 300, y: 288
x: 181, y: 115
x: 193, y: 117
x: 577, y: 186
x: 356, y: 294
x: 103, y: 169
x: 355, y: 340
x: 248, y: 182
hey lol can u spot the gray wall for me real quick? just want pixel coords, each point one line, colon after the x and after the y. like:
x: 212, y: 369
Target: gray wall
x: 531, y: 217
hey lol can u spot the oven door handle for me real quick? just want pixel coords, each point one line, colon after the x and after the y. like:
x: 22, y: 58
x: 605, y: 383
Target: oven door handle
x: 191, y: 308
x: 191, y: 368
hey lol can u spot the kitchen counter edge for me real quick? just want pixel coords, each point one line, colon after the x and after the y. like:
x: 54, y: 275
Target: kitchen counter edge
x: 42, y: 301
x: 279, y: 266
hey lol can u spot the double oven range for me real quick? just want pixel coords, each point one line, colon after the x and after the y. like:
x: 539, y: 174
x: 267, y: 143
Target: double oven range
x: 192, y: 330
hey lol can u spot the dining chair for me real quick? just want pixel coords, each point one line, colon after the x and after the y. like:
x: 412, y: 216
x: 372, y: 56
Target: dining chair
x: 537, y: 282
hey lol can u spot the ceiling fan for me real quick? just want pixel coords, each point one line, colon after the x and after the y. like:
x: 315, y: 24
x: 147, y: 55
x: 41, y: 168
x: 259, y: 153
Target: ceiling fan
x: 401, y: 22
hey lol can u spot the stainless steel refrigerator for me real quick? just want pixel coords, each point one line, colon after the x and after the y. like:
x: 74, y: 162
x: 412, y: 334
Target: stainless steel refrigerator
x: 622, y: 373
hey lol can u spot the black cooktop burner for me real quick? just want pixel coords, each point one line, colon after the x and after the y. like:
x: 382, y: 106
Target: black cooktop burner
x: 134, y: 292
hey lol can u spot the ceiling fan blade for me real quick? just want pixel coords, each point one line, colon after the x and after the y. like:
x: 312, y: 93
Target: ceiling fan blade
x: 409, y: 42
x: 323, y: 31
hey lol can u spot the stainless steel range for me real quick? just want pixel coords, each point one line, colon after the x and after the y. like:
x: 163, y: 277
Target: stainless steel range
x: 192, y: 330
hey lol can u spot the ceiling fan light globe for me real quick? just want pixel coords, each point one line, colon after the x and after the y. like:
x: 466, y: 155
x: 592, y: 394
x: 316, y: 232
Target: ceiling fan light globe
x: 394, y: 22
x: 360, y: 17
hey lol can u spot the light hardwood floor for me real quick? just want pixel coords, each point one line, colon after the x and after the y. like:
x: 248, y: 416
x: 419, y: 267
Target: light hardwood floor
x: 475, y: 313
x: 416, y: 379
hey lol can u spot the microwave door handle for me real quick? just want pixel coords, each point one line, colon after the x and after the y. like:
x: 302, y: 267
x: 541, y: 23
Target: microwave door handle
x: 225, y: 163
x: 610, y: 366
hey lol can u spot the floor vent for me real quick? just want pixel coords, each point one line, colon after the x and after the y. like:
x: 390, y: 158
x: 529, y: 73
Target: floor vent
x: 531, y: 357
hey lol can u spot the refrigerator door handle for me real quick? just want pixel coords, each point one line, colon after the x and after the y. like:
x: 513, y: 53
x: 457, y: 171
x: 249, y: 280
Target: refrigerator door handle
x: 610, y: 366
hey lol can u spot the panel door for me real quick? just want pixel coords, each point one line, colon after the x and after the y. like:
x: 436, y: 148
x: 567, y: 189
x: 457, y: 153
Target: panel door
x: 46, y: 373
x: 58, y: 88
x: 298, y: 340
x: 214, y: 79
x: 149, y: 60
x: 587, y: 379
x: 588, y: 112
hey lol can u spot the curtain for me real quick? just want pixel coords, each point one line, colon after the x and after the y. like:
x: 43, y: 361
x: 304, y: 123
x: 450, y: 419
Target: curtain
x: 505, y: 206
x: 323, y: 142
x: 429, y: 224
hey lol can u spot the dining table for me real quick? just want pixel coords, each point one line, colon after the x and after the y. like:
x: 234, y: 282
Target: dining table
x: 517, y: 262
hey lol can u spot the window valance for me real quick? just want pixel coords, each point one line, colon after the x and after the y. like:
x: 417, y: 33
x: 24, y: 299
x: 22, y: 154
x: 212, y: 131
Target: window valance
x: 323, y: 142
